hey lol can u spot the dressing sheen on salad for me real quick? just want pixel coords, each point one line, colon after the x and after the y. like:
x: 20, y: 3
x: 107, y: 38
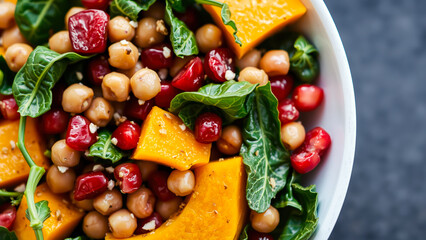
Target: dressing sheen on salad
x: 157, y: 119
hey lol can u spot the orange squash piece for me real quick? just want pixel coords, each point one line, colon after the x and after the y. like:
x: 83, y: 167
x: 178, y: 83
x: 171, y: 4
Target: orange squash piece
x: 165, y: 139
x: 12, y: 1
x: 64, y: 217
x: 13, y: 167
x: 215, y: 211
x: 256, y: 20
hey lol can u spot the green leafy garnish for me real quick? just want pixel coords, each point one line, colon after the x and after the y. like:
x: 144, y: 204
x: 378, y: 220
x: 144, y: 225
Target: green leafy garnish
x: 37, y: 18
x: 286, y: 197
x: 77, y: 238
x: 43, y: 211
x: 13, y: 197
x: 104, y: 148
x: 180, y: 5
x: 304, y: 63
x: 6, y: 77
x: 227, y: 99
x: 5, y: 234
x: 266, y: 160
x: 244, y: 234
x: 129, y: 8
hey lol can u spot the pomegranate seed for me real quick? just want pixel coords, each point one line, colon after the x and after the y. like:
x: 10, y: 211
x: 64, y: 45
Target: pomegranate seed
x: 317, y: 140
x: 79, y: 136
x: 9, y: 108
x: 190, y: 77
x: 54, y: 121
x: 8, y: 215
x: 157, y: 57
x: 96, y: 4
x: 190, y: 18
x: 129, y: 177
x: 157, y: 182
x: 166, y: 95
x: 156, y: 217
x: 208, y: 127
x: 89, y: 185
x: 307, y: 97
x: 254, y: 235
x: 137, y: 111
x: 127, y: 135
x: 303, y: 161
x: 97, y: 69
x: 217, y: 62
x: 281, y: 86
x: 87, y: 31
x: 287, y: 111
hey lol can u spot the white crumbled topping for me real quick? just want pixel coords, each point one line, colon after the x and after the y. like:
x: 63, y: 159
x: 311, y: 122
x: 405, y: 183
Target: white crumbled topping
x: 79, y: 76
x: 149, y: 226
x: 229, y: 75
x: 182, y: 126
x: 93, y: 128
x: 132, y: 215
x: 111, y: 184
x: 85, y: 104
x: 62, y: 169
x: 230, y: 60
x: 58, y: 214
x: 272, y: 182
x: 133, y: 24
x: 124, y: 42
x: 167, y: 52
x: 114, y: 141
x: 163, y: 131
x: 98, y: 168
x: 161, y: 27
x: 12, y: 144
x: 162, y: 73
x: 109, y: 169
x: 168, y: 115
x: 86, y: 153
x: 141, y: 102
x: 20, y: 188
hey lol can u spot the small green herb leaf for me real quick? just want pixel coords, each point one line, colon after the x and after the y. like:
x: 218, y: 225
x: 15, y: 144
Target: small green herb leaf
x: 77, y: 238
x: 104, y: 148
x: 6, y: 77
x: 286, y: 198
x: 266, y: 159
x: 129, y: 8
x: 180, y: 5
x: 5, y: 234
x: 244, y: 234
x: 304, y: 63
x: 43, y: 211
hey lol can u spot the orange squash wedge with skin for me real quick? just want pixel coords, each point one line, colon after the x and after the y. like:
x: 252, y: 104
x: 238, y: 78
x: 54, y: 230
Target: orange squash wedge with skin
x: 215, y: 211
x: 256, y: 22
x: 165, y: 139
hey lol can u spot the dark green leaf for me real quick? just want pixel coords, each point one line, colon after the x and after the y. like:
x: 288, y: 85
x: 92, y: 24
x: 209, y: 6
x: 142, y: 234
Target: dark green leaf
x: 33, y: 83
x: 244, y: 234
x: 74, y: 73
x: 13, y: 197
x: 266, y: 159
x: 182, y: 39
x: 283, y: 40
x: 285, y: 197
x: 180, y: 5
x: 43, y: 211
x: 129, y: 8
x: 304, y: 63
x: 5, y: 234
x: 227, y: 99
x: 104, y: 148
x: 77, y: 238
x: 37, y: 18
x: 6, y: 77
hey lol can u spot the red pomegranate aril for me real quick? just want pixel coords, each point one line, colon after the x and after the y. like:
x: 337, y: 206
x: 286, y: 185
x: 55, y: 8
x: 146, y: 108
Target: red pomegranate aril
x: 134, y: 110
x: 54, y: 121
x: 190, y: 18
x: 88, y: 31
x: 281, y: 86
x: 317, y: 140
x: 190, y: 77
x: 307, y: 97
x: 128, y: 176
x: 208, y: 127
x: 165, y: 96
x: 217, y: 62
x: 254, y: 235
x: 96, y: 4
x: 287, y: 112
x: 157, y: 57
x: 9, y: 108
x: 97, y: 69
x: 8, y: 215
x: 89, y: 185
x: 156, y: 217
x: 158, y: 184
x: 80, y: 135
x: 126, y: 135
x: 303, y: 161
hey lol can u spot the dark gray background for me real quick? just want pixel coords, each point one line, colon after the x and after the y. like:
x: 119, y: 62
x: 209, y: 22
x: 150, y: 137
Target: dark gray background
x: 385, y: 41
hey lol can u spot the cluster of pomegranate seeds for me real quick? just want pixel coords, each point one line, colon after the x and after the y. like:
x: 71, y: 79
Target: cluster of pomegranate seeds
x: 190, y: 77
x: 254, y: 235
x: 157, y: 57
x: 126, y: 135
x: 287, y: 111
x: 166, y: 95
x: 156, y: 217
x: 88, y: 31
x: 89, y: 185
x: 128, y: 176
x: 217, y: 62
x: 80, y: 133
x: 307, y: 97
x: 281, y: 86
x: 208, y: 127
x: 157, y: 182
x: 97, y: 69
x: 96, y: 4
x: 7, y: 215
x: 137, y: 110
x: 9, y: 108
x: 54, y: 121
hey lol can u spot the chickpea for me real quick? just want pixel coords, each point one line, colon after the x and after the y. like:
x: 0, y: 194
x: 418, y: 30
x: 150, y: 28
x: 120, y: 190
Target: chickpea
x: 60, y: 182
x: 122, y: 223
x: 130, y: 72
x: 141, y: 203
x: 167, y: 208
x: 181, y: 183
x: 63, y: 155
x: 116, y: 87
x: 123, y: 55
x: 146, y: 168
x: 95, y: 225
x: 7, y: 14
x: 119, y: 28
x: 86, y: 205
x: 292, y: 135
x: 156, y: 11
x: 77, y: 98
x: 11, y: 36
x: 275, y: 63
x: 208, y: 37
x: 250, y: 59
x: 145, y: 84
x: 230, y: 141
x: 16, y: 55
x: 178, y: 64
x: 253, y: 75
x: 265, y: 222
x: 100, y: 112
x: 71, y: 12
x: 147, y: 34
x: 108, y: 202
x: 60, y: 42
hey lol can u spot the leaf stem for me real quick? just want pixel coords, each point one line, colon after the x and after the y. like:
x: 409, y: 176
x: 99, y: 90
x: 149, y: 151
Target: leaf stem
x: 4, y: 193
x: 21, y: 142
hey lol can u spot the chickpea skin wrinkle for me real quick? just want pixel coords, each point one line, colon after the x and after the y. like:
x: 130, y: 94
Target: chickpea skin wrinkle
x: 116, y: 87
x: 77, y: 98
x: 141, y: 203
x: 100, y: 112
x: 17, y: 55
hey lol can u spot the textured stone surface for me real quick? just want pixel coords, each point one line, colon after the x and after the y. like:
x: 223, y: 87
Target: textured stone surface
x: 386, y: 45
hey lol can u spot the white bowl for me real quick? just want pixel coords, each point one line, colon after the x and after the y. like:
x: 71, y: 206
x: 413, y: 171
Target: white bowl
x: 337, y: 115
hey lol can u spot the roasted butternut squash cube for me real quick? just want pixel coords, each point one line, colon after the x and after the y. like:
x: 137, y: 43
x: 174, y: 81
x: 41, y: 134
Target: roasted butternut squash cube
x: 216, y: 210
x: 13, y: 167
x: 64, y: 217
x: 166, y: 140
x: 256, y: 22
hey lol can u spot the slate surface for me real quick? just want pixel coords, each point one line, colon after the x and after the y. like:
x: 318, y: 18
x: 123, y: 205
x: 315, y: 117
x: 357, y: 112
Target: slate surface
x: 386, y: 45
